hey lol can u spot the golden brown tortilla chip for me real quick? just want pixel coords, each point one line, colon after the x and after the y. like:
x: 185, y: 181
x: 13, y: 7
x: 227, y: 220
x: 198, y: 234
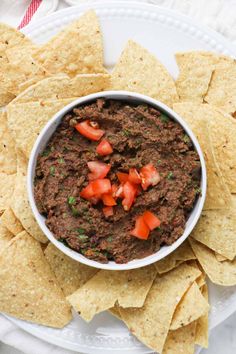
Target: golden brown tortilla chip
x: 195, y: 71
x: 38, y: 114
x: 196, y: 115
x: 77, y: 49
x: 140, y: 71
x: 201, y: 336
x: 100, y: 293
x: 217, y: 230
x: 220, y: 258
x: 151, y: 323
x: 222, y: 89
x: 10, y: 221
x: 10, y: 37
x: 5, y: 237
x: 180, y: 341
x: 222, y: 132
x: 61, y: 86
x: 29, y: 290
x: 7, y: 147
x: 201, y: 280
x: 221, y: 273
x: 182, y: 254
x: 70, y: 274
x: 192, y: 306
x: 115, y: 312
x: 20, y: 204
x: 7, y: 184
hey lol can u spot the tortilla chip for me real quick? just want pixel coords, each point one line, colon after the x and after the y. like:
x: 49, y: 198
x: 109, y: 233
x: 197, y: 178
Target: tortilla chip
x: 5, y: 96
x: 151, y: 323
x: 220, y: 258
x: 38, y: 114
x: 217, y: 230
x: 20, y: 204
x: 222, y: 132
x: 115, y: 312
x: 70, y: 274
x: 9, y: 220
x: 201, y: 336
x: 180, y: 255
x: 221, y: 273
x: 201, y: 281
x: 191, y: 307
x: 181, y: 340
x: 7, y: 147
x: 196, y: 115
x: 77, y: 49
x: 196, y: 69
x: 100, y: 293
x: 222, y: 89
x: 61, y: 86
x: 5, y: 237
x: 10, y: 37
x: 7, y: 185
x: 29, y: 290
x: 140, y: 71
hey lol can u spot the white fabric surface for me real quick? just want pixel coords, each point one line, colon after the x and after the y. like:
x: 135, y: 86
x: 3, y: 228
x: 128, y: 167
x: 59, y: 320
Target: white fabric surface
x: 217, y: 14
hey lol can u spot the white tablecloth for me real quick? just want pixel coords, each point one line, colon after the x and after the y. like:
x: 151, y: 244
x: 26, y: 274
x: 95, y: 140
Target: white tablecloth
x: 217, y: 14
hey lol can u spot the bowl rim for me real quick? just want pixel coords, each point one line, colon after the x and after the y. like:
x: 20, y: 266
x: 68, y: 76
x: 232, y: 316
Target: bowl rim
x: 38, y: 147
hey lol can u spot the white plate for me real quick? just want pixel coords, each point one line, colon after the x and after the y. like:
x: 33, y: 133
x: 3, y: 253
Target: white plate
x: 163, y: 32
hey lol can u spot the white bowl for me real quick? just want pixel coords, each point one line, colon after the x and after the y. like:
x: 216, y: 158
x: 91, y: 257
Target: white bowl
x: 44, y: 137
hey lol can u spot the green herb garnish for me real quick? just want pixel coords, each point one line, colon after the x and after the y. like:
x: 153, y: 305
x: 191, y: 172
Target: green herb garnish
x: 52, y: 170
x: 62, y: 240
x: 170, y: 175
x: 61, y: 160
x: 80, y: 230
x: 186, y: 138
x: 126, y: 132
x: 109, y: 239
x: 164, y: 118
x: 159, y: 162
x: 83, y: 237
x: 198, y: 190
x: 75, y: 212
x: 71, y: 200
x: 46, y: 152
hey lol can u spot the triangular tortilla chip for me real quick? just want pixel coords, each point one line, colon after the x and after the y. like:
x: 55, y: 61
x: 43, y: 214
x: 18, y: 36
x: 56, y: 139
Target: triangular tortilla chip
x: 61, y: 86
x: 140, y: 71
x: 29, y: 290
x: 70, y: 274
x: 101, y: 292
x: 77, y: 49
x: 181, y: 341
x: 10, y: 221
x: 191, y: 307
x: 7, y: 185
x: 196, y: 115
x: 151, y: 323
x: 182, y: 254
x: 7, y: 147
x: 221, y: 273
x: 26, y: 120
x: 5, y: 237
x: 222, y: 89
x: 201, y: 336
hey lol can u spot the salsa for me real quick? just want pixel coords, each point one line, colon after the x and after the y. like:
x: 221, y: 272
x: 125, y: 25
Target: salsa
x: 117, y: 181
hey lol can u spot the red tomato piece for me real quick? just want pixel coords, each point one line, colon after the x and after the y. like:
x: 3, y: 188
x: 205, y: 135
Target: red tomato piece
x: 129, y: 191
x: 87, y: 192
x: 151, y: 220
x: 101, y: 186
x: 108, y: 211
x: 122, y: 177
x: 85, y: 129
x: 149, y: 176
x: 134, y: 176
x: 99, y: 170
x: 141, y: 229
x: 104, y: 148
x: 114, y: 189
x: 108, y: 200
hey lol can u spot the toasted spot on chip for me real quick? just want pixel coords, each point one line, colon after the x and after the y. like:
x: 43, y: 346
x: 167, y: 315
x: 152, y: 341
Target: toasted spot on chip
x: 101, y: 292
x: 139, y: 71
x: 221, y: 273
x: 10, y: 221
x: 151, y: 323
x: 180, y: 340
x: 29, y: 290
x: 70, y: 274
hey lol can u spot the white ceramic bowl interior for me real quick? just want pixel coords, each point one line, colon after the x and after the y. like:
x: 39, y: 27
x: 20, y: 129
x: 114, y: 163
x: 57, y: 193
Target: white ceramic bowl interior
x: 42, y: 141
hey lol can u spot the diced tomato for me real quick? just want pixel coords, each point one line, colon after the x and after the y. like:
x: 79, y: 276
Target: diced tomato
x: 99, y: 170
x: 129, y: 191
x: 108, y: 200
x: 87, y: 192
x: 85, y: 129
x: 141, y: 229
x: 114, y: 189
x: 134, y: 176
x: 104, y: 148
x: 122, y: 177
x: 101, y: 186
x: 120, y: 192
x: 151, y: 220
x: 108, y: 211
x: 149, y: 175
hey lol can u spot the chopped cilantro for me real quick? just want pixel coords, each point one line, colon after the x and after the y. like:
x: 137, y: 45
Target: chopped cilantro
x: 83, y: 237
x: 71, y: 200
x: 186, y: 138
x: 80, y: 230
x: 52, y: 170
x: 109, y: 239
x: 164, y: 118
x: 170, y: 175
x: 159, y: 229
x: 198, y: 190
x: 159, y: 162
x: 75, y: 211
x: 46, y: 152
x: 62, y: 240
x: 126, y: 132
x: 61, y: 160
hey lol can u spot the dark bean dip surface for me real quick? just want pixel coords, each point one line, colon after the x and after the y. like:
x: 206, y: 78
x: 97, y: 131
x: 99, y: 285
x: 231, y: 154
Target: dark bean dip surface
x: 139, y: 135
